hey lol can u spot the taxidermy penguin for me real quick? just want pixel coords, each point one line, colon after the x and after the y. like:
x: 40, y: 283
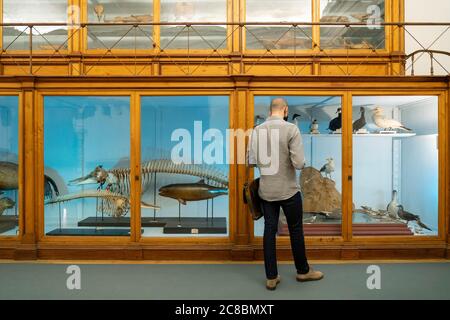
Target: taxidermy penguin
x: 336, y: 123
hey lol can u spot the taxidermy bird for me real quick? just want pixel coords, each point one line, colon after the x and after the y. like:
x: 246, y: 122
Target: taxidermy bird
x: 328, y: 168
x: 361, y: 122
x: 314, y: 127
x: 259, y: 119
x: 99, y: 11
x: 392, y: 207
x: 294, y: 117
x: 382, y: 122
x: 336, y: 123
x: 408, y: 216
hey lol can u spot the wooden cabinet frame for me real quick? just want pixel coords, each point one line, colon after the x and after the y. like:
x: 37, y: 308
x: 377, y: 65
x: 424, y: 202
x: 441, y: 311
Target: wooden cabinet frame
x: 241, y: 244
x: 234, y: 59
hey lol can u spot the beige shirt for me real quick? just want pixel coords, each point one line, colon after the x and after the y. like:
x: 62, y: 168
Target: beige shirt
x: 276, y: 148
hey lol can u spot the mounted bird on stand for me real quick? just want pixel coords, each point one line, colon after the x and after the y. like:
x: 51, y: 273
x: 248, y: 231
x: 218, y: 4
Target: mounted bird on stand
x: 336, y: 123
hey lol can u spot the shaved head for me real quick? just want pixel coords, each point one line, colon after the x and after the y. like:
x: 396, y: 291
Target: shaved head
x: 278, y: 104
x: 279, y: 107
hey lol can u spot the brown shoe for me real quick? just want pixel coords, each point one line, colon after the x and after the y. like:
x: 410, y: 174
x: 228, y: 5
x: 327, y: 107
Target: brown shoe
x: 312, y: 275
x: 272, y: 284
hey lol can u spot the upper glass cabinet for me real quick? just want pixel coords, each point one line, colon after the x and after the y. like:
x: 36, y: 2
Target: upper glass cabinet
x: 120, y: 37
x: 43, y: 11
x: 370, y: 12
x: 9, y: 165
x: 278, y: 37
x: 196, y: 36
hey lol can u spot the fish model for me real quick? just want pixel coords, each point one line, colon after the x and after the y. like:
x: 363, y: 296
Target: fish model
x: 408, y: 216
x: 184, y: 192
x: 336, y: 123
x: 6, y: 203
x: 9, y: 180
x: 361, y: 122
x: 382, y: 122
x: 392, y: 207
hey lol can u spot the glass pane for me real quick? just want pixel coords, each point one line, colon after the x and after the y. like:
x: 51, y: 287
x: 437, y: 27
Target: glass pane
x: 120, y: 37
x: 371, y: 36
x: 86, y: 157
x: 194, y: 37
x: 320, y: 180
x: 44, y: 38
x: 184, y: 165
x: 9, y: 170
x: 278, y: 37
x: 395, y: 165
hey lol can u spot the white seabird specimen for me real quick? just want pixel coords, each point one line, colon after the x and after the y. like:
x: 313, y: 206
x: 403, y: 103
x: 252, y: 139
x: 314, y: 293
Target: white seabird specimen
x: 392, y: 207
x: 328, y: 168
x: 382, y: 122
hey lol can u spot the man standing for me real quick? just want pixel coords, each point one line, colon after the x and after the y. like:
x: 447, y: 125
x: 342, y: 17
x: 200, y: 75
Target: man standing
x: 276, y: 148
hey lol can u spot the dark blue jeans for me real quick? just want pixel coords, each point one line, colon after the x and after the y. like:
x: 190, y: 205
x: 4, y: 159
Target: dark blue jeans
x: 293, y: 210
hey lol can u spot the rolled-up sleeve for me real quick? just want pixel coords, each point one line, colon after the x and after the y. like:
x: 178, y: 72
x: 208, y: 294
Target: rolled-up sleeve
x: 296, y: 150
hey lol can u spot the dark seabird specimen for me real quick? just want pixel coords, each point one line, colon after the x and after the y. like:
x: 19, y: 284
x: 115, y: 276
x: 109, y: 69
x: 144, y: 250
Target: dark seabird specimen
x: 296, y: 115
x: 336, y: 123
x: 408, y: 216
x: 361, y: 122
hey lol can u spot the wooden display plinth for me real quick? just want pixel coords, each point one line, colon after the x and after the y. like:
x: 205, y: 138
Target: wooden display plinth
x: 359, y: 229
x: 90, y: 232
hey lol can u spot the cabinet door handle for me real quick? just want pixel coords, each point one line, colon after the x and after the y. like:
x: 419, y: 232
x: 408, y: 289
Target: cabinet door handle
x: 350, y: 178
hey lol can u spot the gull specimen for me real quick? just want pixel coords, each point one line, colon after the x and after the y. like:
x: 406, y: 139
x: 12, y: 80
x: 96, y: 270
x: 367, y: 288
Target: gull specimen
x: 392, y: 207
x: 382, y: 122
x: 328, y: 168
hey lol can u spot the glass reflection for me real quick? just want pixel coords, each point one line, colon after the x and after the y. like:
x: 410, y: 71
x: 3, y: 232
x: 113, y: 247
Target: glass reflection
x: 278, y: 37
x: 194, y: 37
x: 9, y: 169
x: 320, y: 180
x: 395, y: 165
x: 44, y: 38
x: 120, y: 37
x: 370, y: 12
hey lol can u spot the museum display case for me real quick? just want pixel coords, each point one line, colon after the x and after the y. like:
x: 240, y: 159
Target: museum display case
x: 43, y: 37
x: 93, y: 138
x: 9, y: 165
x: 395, y: 165
x: 320, y: 180
x: 86, y: 149
x: 184, y: 165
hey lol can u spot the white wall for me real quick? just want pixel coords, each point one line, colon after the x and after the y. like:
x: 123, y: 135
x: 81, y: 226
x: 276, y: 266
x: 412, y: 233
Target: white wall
x: 428, y: 11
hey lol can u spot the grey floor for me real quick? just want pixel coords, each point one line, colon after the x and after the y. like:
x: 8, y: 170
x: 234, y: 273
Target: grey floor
x: 221, y: 281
